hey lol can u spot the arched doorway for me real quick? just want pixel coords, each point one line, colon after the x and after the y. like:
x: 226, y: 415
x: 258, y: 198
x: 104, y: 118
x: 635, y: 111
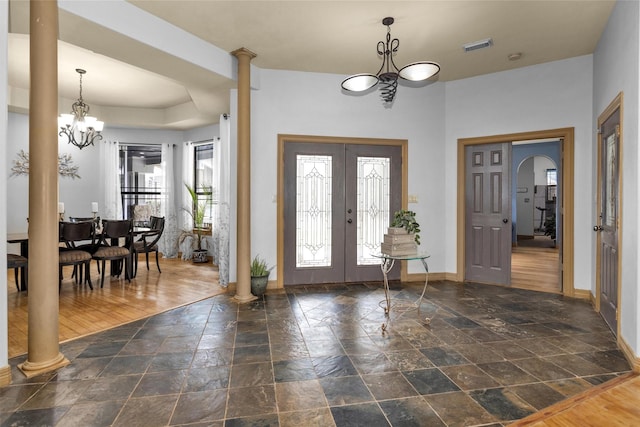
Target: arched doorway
x: 535, y: 255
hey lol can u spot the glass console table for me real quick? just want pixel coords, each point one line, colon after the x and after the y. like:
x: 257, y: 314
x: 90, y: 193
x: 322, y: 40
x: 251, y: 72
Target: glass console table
x: 386, y: 264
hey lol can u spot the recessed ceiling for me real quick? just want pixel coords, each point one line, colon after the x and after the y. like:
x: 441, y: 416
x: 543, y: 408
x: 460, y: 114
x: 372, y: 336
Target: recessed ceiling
x: 315, y: 36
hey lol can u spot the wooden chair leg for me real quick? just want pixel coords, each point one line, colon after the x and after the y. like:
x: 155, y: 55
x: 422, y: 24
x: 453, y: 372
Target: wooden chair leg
x: 146, y: 255
x: 102, y: 279
x: 15, y: 272
x: 87, y: 274
x: 158, y: 263
x: 135, y: 264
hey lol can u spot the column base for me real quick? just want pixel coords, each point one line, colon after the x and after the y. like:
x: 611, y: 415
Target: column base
x: 244, y: 299
x: 30, y: 369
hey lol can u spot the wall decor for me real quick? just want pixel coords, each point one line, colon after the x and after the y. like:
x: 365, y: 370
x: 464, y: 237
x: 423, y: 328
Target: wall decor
x: 66, y: 168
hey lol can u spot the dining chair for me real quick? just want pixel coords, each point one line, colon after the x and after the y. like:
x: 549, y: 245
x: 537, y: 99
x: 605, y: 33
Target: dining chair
x: 110, y: 247
x: 21, y: 263
x: 148, y: 242
x: 78, y: 239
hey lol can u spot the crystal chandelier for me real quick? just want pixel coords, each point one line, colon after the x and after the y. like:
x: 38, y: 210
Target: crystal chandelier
x: 388, y: 73
x: 79, y: 128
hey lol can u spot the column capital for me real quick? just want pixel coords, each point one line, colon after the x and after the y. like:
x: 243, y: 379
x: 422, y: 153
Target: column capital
x: 243, y: 51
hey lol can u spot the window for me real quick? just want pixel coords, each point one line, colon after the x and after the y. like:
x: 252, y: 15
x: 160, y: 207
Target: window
x: 140, y: 181
x: 203, y: 178
x: 552, y: 177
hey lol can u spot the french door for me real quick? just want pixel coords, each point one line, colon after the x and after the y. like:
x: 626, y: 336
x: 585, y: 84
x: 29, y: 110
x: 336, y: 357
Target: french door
x: 338, y: 202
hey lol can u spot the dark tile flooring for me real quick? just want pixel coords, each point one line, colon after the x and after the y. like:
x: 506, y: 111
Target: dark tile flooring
x: 316, y: 356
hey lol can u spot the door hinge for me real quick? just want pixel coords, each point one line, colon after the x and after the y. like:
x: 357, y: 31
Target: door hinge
x: 617, y: 131
x: 617, y: 315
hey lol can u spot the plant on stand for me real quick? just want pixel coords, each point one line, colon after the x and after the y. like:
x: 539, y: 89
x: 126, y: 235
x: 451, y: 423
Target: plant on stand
x: 402, y: 237
x: 407, y: 220
x: 259, y: 275
x: 197, y: 212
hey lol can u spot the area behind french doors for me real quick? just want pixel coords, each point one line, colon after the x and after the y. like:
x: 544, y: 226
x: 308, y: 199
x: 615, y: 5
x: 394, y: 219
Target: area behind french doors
x: 338, y: 196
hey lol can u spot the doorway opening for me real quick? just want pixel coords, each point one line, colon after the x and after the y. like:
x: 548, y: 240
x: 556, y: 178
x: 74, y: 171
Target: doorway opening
x: 535, y: 253
x: 564, y: 198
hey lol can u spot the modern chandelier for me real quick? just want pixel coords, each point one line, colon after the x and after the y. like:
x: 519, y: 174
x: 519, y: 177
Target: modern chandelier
x: 79, y: 128
x: 388, y: 73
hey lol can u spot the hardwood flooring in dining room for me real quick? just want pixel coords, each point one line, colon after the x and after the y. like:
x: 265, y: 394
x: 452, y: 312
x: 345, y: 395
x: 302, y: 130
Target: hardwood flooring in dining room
x: 536, y: 268
x: 83, y: 311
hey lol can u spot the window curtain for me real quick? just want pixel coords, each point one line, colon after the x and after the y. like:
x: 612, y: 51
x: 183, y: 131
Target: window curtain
x: 186, y: 221
x: 168, y: 243
x: 221, y: 186
x: 110, y: 176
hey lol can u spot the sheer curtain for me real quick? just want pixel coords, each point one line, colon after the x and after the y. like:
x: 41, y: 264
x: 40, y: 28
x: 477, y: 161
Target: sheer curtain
x: 168, y: 243
x: 110, y: 176
x: 185, y: 199
x: 221, y: 185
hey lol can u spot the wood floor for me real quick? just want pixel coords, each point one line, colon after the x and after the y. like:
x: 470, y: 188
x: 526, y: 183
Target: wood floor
x: 536, y: 269
x: 84, y: 311
x: 612, y: 404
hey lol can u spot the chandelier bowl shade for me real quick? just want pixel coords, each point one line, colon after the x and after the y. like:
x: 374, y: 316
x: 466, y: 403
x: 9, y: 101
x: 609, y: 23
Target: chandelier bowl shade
x: 359, y: 82
x: 419, y: 71
x: 389, y: 73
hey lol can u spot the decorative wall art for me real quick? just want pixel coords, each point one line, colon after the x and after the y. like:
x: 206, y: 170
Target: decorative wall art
x: 66, y: 168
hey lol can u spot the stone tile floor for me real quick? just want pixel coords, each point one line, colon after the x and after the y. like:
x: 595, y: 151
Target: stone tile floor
x: 317, y: 356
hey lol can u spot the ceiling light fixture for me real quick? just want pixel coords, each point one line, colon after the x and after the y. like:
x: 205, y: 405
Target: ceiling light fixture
x: 79, y: 128
x: 388, y: 73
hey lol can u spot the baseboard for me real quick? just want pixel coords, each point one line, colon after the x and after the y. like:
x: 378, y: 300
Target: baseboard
x: 584, y: 294
x: 419, y: 277
x: 5, y: 375
x: 525, y: 237
x: 633, y: 360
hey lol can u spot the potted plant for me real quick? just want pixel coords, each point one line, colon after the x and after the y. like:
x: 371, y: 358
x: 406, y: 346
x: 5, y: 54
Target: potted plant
x: 197, y: 212
x: 407, y: 219
x: 259, y: 275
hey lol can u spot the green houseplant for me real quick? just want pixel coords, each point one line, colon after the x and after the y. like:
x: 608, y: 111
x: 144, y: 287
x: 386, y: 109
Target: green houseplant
x: 407, y: 219
x: 197, y: 211
x: 259, y: 275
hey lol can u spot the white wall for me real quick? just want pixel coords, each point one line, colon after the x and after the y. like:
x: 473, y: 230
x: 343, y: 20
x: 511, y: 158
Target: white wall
x: 313, y: 104
x: 76, y: 194
x: 546, y: 96
x: 525, y: 198
x: 616, y: 69
x: 4, y: 172
x: 540, y: 166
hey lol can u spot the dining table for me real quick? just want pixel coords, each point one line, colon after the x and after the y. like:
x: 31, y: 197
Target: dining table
x: 23, y: 240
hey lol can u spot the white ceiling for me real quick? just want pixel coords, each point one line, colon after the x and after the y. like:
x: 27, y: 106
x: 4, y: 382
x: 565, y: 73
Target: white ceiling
x: 130, y: 83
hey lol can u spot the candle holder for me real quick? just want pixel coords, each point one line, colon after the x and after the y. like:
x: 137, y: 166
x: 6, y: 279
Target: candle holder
x: 61, y: 214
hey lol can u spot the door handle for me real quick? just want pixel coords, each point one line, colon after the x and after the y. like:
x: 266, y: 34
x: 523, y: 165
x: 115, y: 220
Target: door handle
x: 349, y: 220
x: 505, y: 220
x: 597, y: 228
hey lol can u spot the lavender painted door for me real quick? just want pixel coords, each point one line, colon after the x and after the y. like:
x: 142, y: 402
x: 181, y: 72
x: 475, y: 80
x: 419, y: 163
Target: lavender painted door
x: 488, y: 213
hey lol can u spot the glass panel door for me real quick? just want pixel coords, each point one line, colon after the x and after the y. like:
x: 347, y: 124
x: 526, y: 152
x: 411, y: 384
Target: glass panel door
x: 339, y: 199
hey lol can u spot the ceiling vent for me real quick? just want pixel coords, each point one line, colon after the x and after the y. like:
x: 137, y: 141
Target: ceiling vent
x: 481, y: 44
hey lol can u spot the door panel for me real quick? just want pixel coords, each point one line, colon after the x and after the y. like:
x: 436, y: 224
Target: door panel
x: 339, y: 200
x: 373, y: 192
x: 313, y: 213
x: 488, y: 213
x: 608, y: 227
